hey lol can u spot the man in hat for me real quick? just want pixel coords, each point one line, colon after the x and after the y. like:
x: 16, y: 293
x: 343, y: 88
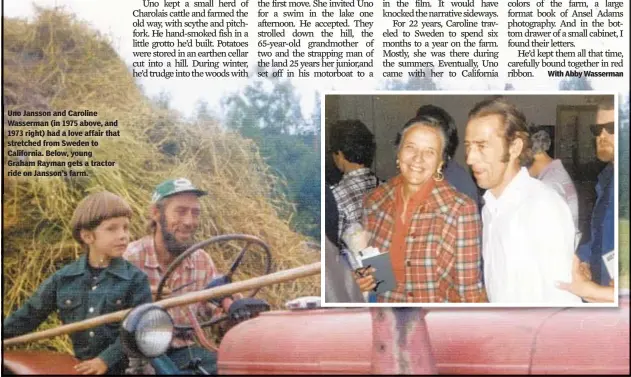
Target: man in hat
x: 173, y: 220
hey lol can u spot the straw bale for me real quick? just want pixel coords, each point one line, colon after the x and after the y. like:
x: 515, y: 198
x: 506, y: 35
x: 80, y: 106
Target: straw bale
x: 56, y: 62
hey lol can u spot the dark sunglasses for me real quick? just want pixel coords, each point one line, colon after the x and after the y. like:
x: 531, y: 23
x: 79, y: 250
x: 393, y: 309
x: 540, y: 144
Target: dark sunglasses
x: 598, y: 128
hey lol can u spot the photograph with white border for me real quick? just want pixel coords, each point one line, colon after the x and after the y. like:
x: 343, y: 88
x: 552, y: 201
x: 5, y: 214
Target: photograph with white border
x: 501, y: 199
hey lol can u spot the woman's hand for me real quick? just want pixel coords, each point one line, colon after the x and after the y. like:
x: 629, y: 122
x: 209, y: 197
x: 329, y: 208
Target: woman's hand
x: 581, y: 280
x: 583, y: 269
x: 365, y: 280
x: 582, y: 285
x: 92, y: 366
x: 589, y: 291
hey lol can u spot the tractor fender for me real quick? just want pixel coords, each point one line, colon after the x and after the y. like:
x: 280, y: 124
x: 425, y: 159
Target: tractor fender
x: 329, y: 341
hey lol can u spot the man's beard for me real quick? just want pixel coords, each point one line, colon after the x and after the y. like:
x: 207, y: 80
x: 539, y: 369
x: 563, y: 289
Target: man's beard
x: 172, y: 244
x: 604, y: 152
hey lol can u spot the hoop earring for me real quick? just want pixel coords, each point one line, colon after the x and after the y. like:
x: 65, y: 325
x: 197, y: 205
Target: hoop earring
x: 438, y: 175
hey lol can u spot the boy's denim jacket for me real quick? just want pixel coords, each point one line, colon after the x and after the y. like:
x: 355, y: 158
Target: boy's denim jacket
x: 76, y: 296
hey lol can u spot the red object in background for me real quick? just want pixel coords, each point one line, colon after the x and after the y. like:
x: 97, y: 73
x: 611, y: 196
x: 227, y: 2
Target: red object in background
x: 302, y: 341
x: 329, y: 341
x: 463, y: 341
x: 531, y: 340
x: 39, y: 362
x: 580, y: 341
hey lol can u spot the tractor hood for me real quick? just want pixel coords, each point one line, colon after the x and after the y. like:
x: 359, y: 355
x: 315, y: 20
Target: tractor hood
x: 463, y: 341
x: 531, y: 340
x: 329, y: 341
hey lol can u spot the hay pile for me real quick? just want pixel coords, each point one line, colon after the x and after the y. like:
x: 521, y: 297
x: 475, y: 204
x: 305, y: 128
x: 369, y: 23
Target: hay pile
x: 57, y: 63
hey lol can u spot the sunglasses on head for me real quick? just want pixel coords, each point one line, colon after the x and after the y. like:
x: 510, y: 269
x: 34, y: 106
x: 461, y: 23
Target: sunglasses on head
x: 597, y: 128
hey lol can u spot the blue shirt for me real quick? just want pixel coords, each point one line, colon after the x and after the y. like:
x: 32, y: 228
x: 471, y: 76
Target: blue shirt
x: 601, y: 228
x: 76, y: 295
x: 459, y: 177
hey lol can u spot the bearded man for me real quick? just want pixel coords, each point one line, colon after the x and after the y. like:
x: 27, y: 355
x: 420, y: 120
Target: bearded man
x: 594, y: 269
x: 173, y: 220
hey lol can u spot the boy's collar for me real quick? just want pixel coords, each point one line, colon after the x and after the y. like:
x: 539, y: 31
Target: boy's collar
x: 116, y: 267
x: 76, y: 268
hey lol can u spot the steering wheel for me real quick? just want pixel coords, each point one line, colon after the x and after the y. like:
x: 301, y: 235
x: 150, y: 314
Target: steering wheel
x: 226, y: 279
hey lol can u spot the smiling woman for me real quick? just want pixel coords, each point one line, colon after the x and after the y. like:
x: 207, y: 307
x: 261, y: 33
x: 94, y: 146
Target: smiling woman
x: 418, y: 156
x: 431, y: 231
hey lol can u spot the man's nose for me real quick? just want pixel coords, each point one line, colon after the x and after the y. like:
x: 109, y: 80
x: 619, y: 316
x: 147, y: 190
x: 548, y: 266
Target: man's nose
x: 188, y: 219
x: 603, y: 133
x: 471, y: 157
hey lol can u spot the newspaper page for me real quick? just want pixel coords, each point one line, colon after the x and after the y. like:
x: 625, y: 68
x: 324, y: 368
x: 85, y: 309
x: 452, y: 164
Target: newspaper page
x: 289, y: 121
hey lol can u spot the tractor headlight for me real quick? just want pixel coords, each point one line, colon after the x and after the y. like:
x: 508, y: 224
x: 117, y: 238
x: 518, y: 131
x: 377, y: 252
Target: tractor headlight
x: 146, y: 331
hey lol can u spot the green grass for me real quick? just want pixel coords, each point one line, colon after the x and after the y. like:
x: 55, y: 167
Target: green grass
x: 623, y: 249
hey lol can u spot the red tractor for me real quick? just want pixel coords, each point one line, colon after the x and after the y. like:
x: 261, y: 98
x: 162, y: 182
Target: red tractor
x: 314, y: 340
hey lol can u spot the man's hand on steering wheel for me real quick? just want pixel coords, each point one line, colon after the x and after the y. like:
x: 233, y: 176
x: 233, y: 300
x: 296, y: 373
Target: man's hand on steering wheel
x: 226, y: 302
x: 223, y: 304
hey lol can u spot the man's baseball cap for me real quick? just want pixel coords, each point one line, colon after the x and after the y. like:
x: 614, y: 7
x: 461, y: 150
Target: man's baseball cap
x: 175, y: 186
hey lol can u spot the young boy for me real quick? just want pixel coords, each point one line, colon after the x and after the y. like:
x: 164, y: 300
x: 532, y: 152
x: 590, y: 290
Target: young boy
x: 99, y: 282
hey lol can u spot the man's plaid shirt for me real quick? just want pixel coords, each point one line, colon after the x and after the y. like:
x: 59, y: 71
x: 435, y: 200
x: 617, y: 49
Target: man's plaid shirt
x: 198, y: 268
x: 349, y: 193
x: 442, y: 248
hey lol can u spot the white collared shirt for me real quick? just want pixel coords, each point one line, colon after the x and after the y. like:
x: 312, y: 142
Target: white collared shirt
x: 528, y: 244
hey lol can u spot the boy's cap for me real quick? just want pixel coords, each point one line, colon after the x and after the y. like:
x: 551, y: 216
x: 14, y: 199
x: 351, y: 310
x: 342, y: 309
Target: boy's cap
x: 175, y: 186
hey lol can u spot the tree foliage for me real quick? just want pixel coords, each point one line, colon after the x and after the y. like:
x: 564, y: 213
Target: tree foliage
x: 623, y: 155
x: 269, y: 113
x: 576, y: 83
x: 163, y: 100
x: 413, y: 83
x: 258, y: 110
x: 203, y: 111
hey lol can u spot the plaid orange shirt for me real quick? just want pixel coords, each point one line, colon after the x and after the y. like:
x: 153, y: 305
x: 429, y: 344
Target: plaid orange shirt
x: 402, y: 225
x: 198, y: 267
x: 442, y: 246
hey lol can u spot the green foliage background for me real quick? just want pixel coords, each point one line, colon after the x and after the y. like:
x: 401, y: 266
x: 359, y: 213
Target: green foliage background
x: 269, y: 113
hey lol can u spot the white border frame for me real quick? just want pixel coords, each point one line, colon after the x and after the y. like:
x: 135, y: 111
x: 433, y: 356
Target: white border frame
x: 464, y: 93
